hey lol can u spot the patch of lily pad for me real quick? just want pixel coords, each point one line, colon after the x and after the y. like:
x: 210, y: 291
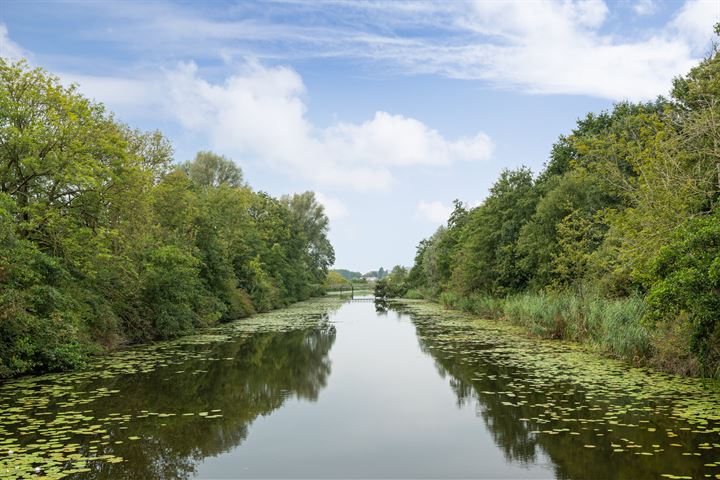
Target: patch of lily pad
x: 557, y: 390
x: 49, y: 428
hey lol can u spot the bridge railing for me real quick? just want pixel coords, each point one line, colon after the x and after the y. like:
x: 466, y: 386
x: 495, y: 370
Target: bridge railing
x: 349, y: 289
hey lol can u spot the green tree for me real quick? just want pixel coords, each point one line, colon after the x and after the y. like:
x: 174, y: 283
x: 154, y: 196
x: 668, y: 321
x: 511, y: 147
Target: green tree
x: 488, y: 259
x: 209, y: 169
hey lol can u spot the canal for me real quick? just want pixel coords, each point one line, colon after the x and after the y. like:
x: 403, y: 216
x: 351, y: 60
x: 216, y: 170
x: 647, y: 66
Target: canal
x: 334, y: 389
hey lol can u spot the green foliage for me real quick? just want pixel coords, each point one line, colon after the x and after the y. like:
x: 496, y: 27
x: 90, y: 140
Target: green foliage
x: 486, y: 257
x: 621, y: 328
x: 413, y: 294
x: 348, y: 274
x: 102, y: 242
x: 685, y: 281
x: 212, y: 170
x: 393, y: 284
x: 621, y: 225
x: 613, y: 325
x: 40, y: 323
x: 335, y: 278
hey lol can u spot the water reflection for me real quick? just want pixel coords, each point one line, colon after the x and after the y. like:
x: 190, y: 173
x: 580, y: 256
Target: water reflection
x: 585, y: 434
x: 415, y: 392
x: 268, y: 369
x: 381, y: 306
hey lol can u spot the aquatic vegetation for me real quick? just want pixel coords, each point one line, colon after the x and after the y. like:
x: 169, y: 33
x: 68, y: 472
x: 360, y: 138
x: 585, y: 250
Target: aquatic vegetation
x: 540, y: 395
x: 51, y: 425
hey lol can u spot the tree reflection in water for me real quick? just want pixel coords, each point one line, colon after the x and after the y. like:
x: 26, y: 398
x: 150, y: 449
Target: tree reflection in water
x: 268, y: 368
x: 485, y: 384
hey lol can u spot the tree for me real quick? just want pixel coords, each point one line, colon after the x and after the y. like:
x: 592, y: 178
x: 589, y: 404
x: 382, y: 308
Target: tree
x: 487, y: 259
x: 335, y: 279
x: 209, y: 169
x: 103, y: 242
x: 685, y: 280
x: 311, y: 223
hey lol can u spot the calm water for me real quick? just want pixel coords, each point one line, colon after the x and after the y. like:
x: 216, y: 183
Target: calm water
x: 356, y: 390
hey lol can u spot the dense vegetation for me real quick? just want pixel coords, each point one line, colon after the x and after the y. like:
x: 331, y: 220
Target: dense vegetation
x: 347, y: 274
x: 616, y: 241
x: 393, y: 284
x: 104, y: 240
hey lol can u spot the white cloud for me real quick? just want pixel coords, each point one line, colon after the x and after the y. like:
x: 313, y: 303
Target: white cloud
x: 395, y: 140
x: 695, y: 21
x: 261, y: 112
x: 8, y: 48
x: 558, y: 48
x: 435, y: 212
x: 644, y: 7
x: 125, y: 96
x: 334, y: 207
x: 549, y: 47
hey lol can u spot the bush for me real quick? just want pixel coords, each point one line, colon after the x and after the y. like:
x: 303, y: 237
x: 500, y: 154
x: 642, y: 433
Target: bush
x: 448, y: 299
x: 621, y: 329
x: 239, y: 303
x: 413, y: 294
x: 482, y: 304
x: 171, y: 292
x: 684, y: 284
x: 543, y: 315
x: 387, y: 289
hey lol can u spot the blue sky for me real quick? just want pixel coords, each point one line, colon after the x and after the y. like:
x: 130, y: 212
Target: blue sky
x: 388, y: 109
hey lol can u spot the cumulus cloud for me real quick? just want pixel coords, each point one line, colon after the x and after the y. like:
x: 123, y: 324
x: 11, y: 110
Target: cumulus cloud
x: 334, y: 207
x: 695, y: 20
x: 142, y: 96
x: 435, y: 212
x: 261, y: 112
x: 8, y: 48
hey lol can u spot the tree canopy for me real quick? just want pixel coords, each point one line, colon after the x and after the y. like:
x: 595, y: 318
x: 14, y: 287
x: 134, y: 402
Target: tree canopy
x: 626, y: 206
x: 104, y: 240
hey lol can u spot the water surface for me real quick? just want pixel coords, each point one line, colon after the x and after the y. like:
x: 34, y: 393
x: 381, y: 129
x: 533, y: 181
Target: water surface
x: 328, y: 389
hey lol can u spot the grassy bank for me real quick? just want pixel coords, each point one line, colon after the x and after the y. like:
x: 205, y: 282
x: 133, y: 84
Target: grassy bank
x: 614, y: 326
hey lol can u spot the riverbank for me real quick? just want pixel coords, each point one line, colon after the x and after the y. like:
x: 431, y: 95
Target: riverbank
x: 612, y: 327
x: 96, y: 354
x: 595, y: 417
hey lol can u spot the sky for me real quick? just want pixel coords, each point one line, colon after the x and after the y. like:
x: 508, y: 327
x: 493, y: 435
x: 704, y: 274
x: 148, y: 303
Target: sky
x: 388, y: 110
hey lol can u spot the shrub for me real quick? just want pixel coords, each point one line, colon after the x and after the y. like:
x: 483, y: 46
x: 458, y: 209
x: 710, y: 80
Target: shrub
x: 448, y: 299
x: 613, y: 324
x: 413, y: 294
x: 171, y: 291
x: 542, y: 314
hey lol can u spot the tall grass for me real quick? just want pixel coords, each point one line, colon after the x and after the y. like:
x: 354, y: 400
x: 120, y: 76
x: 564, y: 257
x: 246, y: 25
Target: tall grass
x: 613, y: 324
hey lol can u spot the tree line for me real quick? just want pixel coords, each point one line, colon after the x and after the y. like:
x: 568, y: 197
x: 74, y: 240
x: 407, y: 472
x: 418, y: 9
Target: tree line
x: 104, y: 240
x: 616, y: 241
